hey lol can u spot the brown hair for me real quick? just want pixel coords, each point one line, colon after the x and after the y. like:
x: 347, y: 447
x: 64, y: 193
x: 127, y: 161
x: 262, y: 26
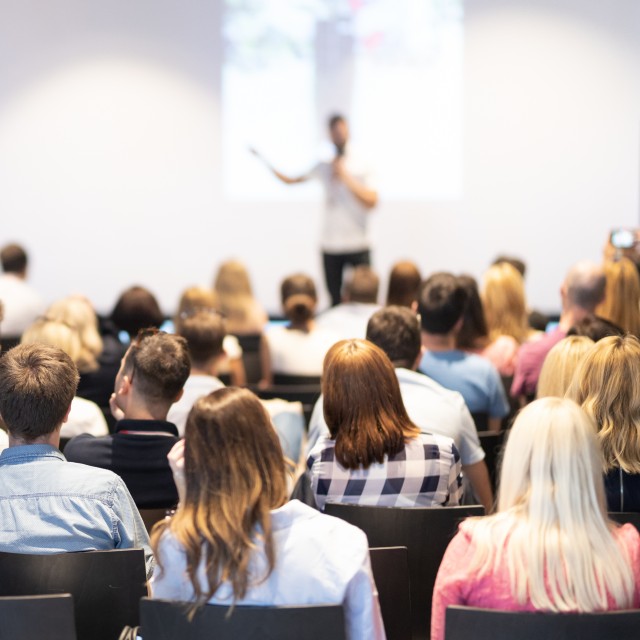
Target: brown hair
x: 195, y: 299
x: 362, y: 404
x: 235, y: 475
x: 404, y: 283
x: 136, y: 309
x: 621, y: 303
x: 37, y: 385
x: 204, y: 332
x: 13, y: 258
x: 363, y: 285
x: 299, y: 297
x: 396, y: 330
x: 473, y: 333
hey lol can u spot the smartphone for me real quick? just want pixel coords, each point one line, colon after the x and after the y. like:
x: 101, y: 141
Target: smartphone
x: 623, y: 238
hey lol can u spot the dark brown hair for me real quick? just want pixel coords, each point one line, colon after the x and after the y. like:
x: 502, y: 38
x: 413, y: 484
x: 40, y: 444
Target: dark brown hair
x: 404, y: 282
x: 362, y: 404
x: 441, y: 303
x: 299, y: 297
x: 363, y: 285
x: 37, y: 385
x: 396, y: 330
x: 13, y: 258
x: 204, y: 332
x: 136, y: 308
x: 474, y: 333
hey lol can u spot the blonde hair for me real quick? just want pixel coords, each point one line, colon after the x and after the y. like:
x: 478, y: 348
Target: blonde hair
x: 607, y: 386
x: 54, y: 333
x: 505, y: 306
x: 233, y: 289
x: 560, y: 365
x: 551, y: 526
x: 194, y: 300
x: 621, y: 303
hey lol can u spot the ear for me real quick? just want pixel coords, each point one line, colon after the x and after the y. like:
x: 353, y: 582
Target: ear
x: 66, y: 416
x: 125, y: 386
x: 414, y: 307
x: 416, y: 364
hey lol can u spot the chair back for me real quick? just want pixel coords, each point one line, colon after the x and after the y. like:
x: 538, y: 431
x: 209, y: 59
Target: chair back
x: 307, y: 395
x: 492, y: 443
x: 29, y: 617
x: 481, y: 420
x: 465, y: 623
x: 425, y: 532
x: 251, y: 360
x: 286, y: 380
x: 151, y: 516
x: 390, y: 566
x: 167, y: 620
x: 106, y: 585
x: 624, y: 517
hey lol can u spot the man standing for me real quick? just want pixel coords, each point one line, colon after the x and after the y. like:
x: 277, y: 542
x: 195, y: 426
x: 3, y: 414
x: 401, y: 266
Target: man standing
x: 49, y: 505
x: 349, y: 197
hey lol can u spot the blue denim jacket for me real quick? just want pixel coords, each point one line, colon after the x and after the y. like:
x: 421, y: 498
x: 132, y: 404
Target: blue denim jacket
x: 49, y: 505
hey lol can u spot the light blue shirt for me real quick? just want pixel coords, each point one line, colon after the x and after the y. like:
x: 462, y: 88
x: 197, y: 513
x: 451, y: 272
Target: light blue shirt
x: 49, y: 505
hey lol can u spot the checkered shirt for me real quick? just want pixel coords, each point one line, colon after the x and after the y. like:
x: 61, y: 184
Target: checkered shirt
x: 426, y: 473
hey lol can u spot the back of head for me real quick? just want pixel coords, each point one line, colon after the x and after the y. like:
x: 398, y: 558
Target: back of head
x: 516, y: 263
x: 363, y: 407
x: 584, y: 286
x: 197, y: 299
x: 37, y: 385
x: 607, y: 386
x: 235, y: 475
x: 560, y: 365
x: 157, y: 363
x: 404, y: 282
x: 299, y: 298
x: 136, y: 309
x: 621, y: 303
x: 14, y: 259
x: 363, y: 285
x: 396, y: 330
x: 204, y: 332
x: 504, y: 301
x: 441, y: 303
x: 233, y: 288
x: 595, y: 327
x: 473, y: 333
x: 54, y: 334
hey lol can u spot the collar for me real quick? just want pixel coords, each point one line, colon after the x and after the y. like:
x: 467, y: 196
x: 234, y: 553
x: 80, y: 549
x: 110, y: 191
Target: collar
x: 147, y: 426
x: 29, y: 452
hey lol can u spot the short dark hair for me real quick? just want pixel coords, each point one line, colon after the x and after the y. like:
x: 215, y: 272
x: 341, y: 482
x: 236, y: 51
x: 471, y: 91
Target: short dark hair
x: 334, y: 118
x: 363, y: 285
x: 474, y: 328
x: 37, y: 385
x: 13, y: 258
x: 396, y: 330
x: 596, y: 328
x: 441, y: 303
x: 158, y: 363
x: 204, y: 332
x: 136, y: 309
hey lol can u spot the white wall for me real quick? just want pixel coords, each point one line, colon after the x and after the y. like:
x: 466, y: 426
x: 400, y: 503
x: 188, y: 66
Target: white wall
x: 110, y: 165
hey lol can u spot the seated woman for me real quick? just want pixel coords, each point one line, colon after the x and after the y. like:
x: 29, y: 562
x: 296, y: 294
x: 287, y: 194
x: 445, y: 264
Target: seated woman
x: 374, y: 454
x: 236, y: 540
x: 607, y: 386
x: 560, y: 365
x: 550, y: 546
x: 621, y: 304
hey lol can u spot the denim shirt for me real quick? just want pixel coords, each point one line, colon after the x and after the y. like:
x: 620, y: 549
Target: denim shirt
x: 49, y: 505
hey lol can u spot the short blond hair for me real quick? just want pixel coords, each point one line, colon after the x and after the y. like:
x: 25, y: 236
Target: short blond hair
x: 560, y: 365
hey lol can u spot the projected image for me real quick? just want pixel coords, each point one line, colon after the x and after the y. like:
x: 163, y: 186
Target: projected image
x: 393, y: 68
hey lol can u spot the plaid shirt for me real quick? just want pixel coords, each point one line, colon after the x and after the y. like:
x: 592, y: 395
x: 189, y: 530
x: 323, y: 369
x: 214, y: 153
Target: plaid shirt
x: 426, y: 473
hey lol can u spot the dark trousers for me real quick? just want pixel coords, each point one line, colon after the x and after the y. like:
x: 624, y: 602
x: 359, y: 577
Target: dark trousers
x: 334, y: 264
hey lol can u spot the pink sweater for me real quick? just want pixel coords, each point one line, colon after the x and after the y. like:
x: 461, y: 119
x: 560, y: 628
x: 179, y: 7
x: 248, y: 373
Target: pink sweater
x: 455, y: 584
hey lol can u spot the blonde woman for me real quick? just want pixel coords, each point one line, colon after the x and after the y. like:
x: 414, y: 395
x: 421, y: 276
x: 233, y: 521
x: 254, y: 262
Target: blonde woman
x: 607, y: 385
x: 550, y: 545
x: 560, y: 365
x: 622, y: 298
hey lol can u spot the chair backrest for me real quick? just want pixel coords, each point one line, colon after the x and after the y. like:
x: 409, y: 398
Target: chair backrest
x: 29, y: 617
x: 390, y: 566
x: 167, y: 620
x: 151, y: 516
x: 425, y: 532
x: 106, y: 585
x: 481, y: 420
x: 251, y: 360
x: 464, y: 623
x: 624, y: 517
x: 493, y: 445
x: 305, y: 394
x: 284, y: 379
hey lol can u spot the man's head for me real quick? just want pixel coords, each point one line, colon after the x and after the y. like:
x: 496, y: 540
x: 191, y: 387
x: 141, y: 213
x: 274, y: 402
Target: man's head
x: 584, y: 287
x: 441, y: 303
x: 14, y: 260
x: 362, y: 286
x: 136, y: 309
x: 204, y: 332
x: 37, y: 385
x: 338, y: 132
x: 396, y: 330
x: 152, y: 374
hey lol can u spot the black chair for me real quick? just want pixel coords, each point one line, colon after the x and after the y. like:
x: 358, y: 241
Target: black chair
x: 250, y: 344
x: 167, y: 620
x: 464, y: 623
x: 623, y: 517
x: 426, y: 534
x: 8, y: 342
x: 493, y: 444
x: 151, y: 516
x: 284, y: 379
x: 63, y: 443
x: 106, y: 585
x: 29, y: 617
x: 390, y: 567
x: 305, y: 394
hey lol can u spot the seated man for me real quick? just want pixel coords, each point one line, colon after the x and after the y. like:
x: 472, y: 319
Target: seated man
x: 441, y: 304
x: 49, y: 505
x: 152, y: 374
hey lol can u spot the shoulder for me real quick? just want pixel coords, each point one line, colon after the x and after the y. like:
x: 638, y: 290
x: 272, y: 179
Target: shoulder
x: 94, y: 479
x: 430, y: 443
x: 627, y: 536
x: 85, y: 445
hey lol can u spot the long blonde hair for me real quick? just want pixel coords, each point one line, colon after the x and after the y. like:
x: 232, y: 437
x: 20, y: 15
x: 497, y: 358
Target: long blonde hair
x: 560, y: 364
x: 621, y: 303
x: 551, y: 526
x: 504, y: 301
x: 607, y: 386
x: 235, y: 297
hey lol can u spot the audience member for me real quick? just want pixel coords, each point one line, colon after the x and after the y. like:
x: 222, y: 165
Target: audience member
x: 607, y: 385
x: 404, y: 282
x: 621, y: 304
x: 441, y: 304
x: 560, y: 366
x: 49, y: 505
x: 243, y: 313
x: 151, y: 377
x: 374, y: 454
x: 595, y: 328
x: 136, y: 309
x: 360, y: 294
x: 22, y: 305
x: 550, y: 546
x: 259, y: 549
x: 84, y: 416
x: 473, y: 335
x: 582, y: 291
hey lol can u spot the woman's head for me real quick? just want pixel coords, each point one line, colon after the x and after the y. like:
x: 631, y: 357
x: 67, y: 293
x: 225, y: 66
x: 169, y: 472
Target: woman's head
x: 363, y: 407
x: 607, y: 386
x: 195, y: 300
x: 560, y: 365
x: 473, y: 333
x: 136, y: 309
x: 404, y: 282
x: 622, y: 295
x: 54, y: 334
x: 504, y: 302
x: 299, y: 298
